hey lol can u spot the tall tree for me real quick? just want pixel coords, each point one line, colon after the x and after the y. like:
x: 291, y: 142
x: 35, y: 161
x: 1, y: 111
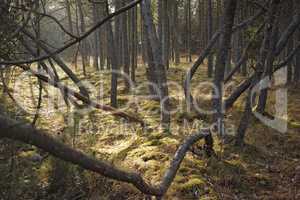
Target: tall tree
x: 225, y: 39
x: 114, y: 62
x: 133, y: 42
x: 188, y: 29
x: 270, y: 56
x: 96, y: 42
x: 209, y: 34
x: 69, y: 15
x: 265, y: 50
x: 297, y: 62
x: 156, y: 68
x: 175, y: 32
x: 165, y: 33
x: 297, y: 38
x: 288, y: 17
x: 84, y: 44
x: 125, y: 45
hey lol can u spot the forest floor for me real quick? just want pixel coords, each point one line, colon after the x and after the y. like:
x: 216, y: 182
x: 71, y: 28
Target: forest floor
x: 267, y: 167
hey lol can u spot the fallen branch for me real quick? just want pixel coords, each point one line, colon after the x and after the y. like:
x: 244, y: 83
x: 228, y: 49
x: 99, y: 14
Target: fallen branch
x: 25, y: 133
x: 70, y: 92
x: 56, y: 58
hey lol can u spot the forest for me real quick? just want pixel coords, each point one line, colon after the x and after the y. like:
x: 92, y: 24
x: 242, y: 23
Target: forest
x: 149, y: 99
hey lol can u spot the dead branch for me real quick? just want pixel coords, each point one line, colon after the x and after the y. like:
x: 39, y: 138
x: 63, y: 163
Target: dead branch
x: 25, y: 133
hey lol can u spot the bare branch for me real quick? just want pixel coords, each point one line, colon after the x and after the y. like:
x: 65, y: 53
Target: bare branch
x: 207, y: 50
x: 85, y: 35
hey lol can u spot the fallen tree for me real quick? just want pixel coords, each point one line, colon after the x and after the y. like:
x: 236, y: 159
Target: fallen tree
x: 26, y: 133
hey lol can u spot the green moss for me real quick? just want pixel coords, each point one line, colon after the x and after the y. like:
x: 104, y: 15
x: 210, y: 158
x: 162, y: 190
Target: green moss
x: 153, y: 143
x: 180, y: 179
x: 44, y: 170
x: 295, y: 124
x: 150, y: 152
x: 123, y: 153
x: 169, y: 141
x: 151, y: 105
x: 122, y: 101
x: 184, y: 170
x: 189, y: 116
x: 156, y: 136
x: 154, y: 156
x: 191, y: 183
x: 27, y: 154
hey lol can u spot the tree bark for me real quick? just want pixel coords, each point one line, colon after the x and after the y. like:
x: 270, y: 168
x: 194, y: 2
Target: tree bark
x: 267, y: 52
x: 175, y: 33
x: 165, y: 33
x: 69, y: 15
x: 126, y: 56
x: 114, y: 63
x: 225, y: 39
x: 297, y: 62
x: 84, y: 44
x: 134, y: 41
x: 25, y: 133
x: 156, y: 67
x: 210, y: 34
x: 297, y: 38
x: 96, y: 47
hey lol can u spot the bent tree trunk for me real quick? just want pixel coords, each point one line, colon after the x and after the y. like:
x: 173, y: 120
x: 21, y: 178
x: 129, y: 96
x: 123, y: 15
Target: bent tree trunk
x: 266, y: 52
x: 26, y: 133
x: 59, y: 62
x: 190, y: 73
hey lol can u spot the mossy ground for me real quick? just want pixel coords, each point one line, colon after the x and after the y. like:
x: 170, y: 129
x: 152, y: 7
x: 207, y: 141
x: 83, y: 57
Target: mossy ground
x: 263, y: 169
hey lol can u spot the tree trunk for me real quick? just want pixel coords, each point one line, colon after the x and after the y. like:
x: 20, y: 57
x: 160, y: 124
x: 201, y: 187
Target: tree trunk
x: 175, y: 33
x: 297, y: 62
x: 228, y: 21
x: 165, y: 33
x: 126, y: 56
x: 209, y: 33
x: 84, y: 44
x: 134, y: 42
x: 102, y: 39
x: 260, y: 66
x: 189, y: 31
x: 289, y: 18
x: 69, y: 15
x: 297, y: 38
x: 114, y: 63
x: 96, y: 35
x: 144, y: 43
x: 155, y: 63
x: 270, y: 57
